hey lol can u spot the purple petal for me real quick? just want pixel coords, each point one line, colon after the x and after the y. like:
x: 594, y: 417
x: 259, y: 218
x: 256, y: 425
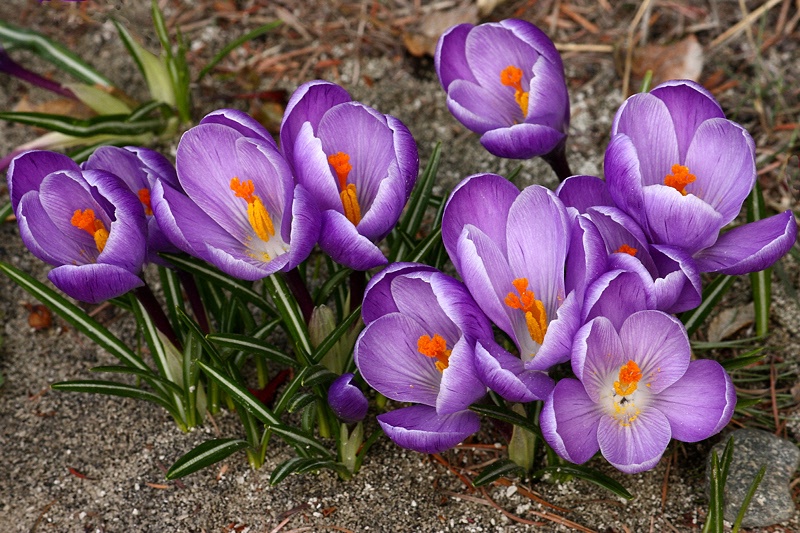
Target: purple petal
x: 158, y: 166
x: 384, y: 209
x: 522, y: 141
x: 313, y: 171
x: 560, y: 334
x: 685, y: 222
x: 722, y: 157
x: 27, y: 170
x: 378, y: 297
x: 658, y: 343
x: 340, y: 239
x: 306, y: 224
x: 598, y: 355
x: 94, y: 283
x: 479, y: 108
x: 460, y: 386
x: 241, y: 122
x: 678, y: 286
x: 347, y: 401
x: 421, y: 429
x: 583, y: 192
x: 616, y: 295
x: 122, y: 163
x: 506, y: 375
x: 636, y: 446
x: 450, y: 58
x: 416, y: 299
x: 569, y: 421
x: 42, y: 237
x: 750, y: 247
x: 405, y: 148
x: 586, y: 257
x: 387, y: 357
x: 624, y: 178
x: 699, y: 404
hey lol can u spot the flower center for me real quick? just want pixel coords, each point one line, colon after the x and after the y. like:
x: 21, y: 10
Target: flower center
x: 256, y: 212
x: 679, y: 178
x: 535, y: 314
x: 511, y: 76
x: 625, y: 249
x: 144, y: 197
x: 436, y: 348
x: 340, y: 162
x: 629, y: 376
x: 86, y: 221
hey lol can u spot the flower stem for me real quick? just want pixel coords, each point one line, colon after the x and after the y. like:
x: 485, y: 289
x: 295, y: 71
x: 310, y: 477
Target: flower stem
x: 148, y: 300
x: 358, y: 283
x: 557, y: 159
x: 193, y: 293
x: 300, y: 292
x: 12, y: 68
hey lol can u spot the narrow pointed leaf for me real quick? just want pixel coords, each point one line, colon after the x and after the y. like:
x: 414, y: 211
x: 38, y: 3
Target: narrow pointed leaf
x: 506, y: 415
x: 241, y: 395
x: 587, y: 474
x: 102, y: 102
x: 761, y: 281
x: 235, y: 44
x: 151, y: 67
x: 206, y: 454
x: 317, y: 375
x: 712, y: 294
x: 300, y: 400
x: 104, y: 124
x: 112, y: 388
x: 302, y: 441
x: 254, y: 346
x: 289, y: 311
x: 334, y: 336
x: 496, y: 470
x: 147, y: 375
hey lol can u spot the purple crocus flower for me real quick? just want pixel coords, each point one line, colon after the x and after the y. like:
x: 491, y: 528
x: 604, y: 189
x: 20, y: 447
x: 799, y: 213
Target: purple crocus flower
x: 241, y: 211
x: 358, y: 164
x: 418, y: 346
x: 140, y: 169
x: 346, y: 400
x: 636, y: 388
x: 682, y: 171
x: 511, y: 250
x: 505, y: 81
x: 86, y: 223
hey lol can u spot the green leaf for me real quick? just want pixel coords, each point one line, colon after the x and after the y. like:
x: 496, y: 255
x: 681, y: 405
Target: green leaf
x: 426, y: 246
x: 112, y: 388
x: 99, y: 100
x: 761, y: 281
x: 289, y: 312
x: 334, y: 336
x: 241, y: 395
x: 76, y: 316
x: 300, y: 465
x: 152, y: 68
x: 322, y: 294
x: 587, y: 474
x: 254, y: 346
x: 496, y: 470
x: 194, y: 331
x: 506, y: 415
x: 49, y: 50
x: 744, y: 360
x: 235, y: 44
x: 206, y: 454
x: 712, y: 294
x: 300, y: 400
x: 751, y: 491
x: 291, y: 389
x: 100, y: 125
x: 317, y: 375
x: 147, y: 375
x: 6, y: 211
x: 303, y: 442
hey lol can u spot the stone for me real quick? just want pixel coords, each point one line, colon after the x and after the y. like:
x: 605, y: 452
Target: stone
x: 772, y: 502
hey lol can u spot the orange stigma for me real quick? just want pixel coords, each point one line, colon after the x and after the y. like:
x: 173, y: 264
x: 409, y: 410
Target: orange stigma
x: 535, y: 314
x: 144, y: 197
x: 86, y: 221
x: 340, y: 162
x: 679, y: 178
x: 625, y: 249
x: 257, y: 214
x: 511, y: 76
x: 629, y: 376
x: 435, y: 347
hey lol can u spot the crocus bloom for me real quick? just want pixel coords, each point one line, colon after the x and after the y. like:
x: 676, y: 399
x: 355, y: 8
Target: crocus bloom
x: 140, y: 169
x: 682, y: 171
x: 346, y: 400
x: 418, y: 347
x: 241, y: 211
x: 636, y: 388
x: 511, y: 249
x: 505, y: 81
x: 86, y: 223
x: 358, y: 164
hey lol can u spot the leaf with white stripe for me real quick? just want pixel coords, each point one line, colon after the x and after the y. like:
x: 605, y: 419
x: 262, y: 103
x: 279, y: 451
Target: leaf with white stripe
x: 206, y: 454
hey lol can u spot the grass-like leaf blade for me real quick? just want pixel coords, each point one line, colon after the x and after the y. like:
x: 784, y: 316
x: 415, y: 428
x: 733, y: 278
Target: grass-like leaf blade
x: 241, y: 395
x: 506, y: 415
x: 251, y: 345
x: 112, y: 388
x: 100, y: 125
x: 206, y: 454
x: 712, y: 294
x: 334, y: 336
x: 587, y: 474
x: 496, y: 470
x: 300, y: 465
x: 761, y: 281
x: 290, y: 312
x: 235, y: 44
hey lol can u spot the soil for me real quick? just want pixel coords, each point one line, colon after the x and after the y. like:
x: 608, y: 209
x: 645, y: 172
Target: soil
x: 74, y: 462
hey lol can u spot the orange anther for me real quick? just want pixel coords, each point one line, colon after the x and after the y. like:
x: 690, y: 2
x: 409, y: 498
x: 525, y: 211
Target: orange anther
x: 625, y: 249
x: 679, y: 178
x: 435, y: 347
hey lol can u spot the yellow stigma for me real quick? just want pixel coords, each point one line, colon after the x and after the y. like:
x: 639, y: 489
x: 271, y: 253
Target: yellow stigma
x: 511, y: 76
x: 144, y: 197
x: 256, y: 212
x: 340, y: 162
x: 629, y: 376
x: 86, y: 221
x: 679, y: 178
x: 435, y: 347
x: 535, y: 314
x: 625, y: 249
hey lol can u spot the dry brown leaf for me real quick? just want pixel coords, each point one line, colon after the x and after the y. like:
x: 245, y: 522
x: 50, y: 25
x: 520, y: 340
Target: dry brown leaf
x: 681, y: 60
x: 487, y: 6
x: 423, y: 39
x: 729, y: 321
x: 58, y: 106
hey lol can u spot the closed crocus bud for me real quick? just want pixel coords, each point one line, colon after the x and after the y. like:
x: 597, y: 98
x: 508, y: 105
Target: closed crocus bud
x: 86, y: 223
x: 358, y: 164
x: 346, y: 400
x: 505, y: 81
x: 322, y: 324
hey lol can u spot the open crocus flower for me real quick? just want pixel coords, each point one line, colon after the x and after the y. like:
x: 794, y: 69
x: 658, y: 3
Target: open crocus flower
x: 636, y: 389
x: 86, y: 223
x: 140, y: 169
x: 682, y: 171
x: 358, y: 164
x: 505, y: 81
x: 511, y: 249
x: 241, y: 211
x: 418, y: 346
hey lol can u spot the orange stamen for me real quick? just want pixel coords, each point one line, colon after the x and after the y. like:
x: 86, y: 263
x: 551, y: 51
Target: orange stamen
x: 629, y: 376
x: 625, y: 249
x: 679, y: 178
x: 435, y: 347
x: 511, y: 76
x: 535, y: 314
x: 86, y: 221
x: 144, y: 197
x: 340, y: 162
x: 257, y: 214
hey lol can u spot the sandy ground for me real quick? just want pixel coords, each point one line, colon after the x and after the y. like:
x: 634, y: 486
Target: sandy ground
x: 75, y: 462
